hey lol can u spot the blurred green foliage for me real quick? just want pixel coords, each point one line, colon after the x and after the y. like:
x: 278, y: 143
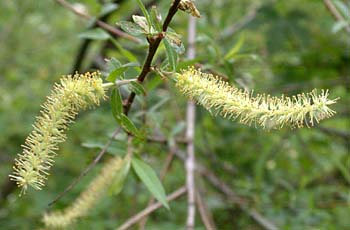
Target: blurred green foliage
x: 298, y: 179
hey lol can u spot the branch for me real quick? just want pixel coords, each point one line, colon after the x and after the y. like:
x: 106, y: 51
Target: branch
x: 333, y: 10
x: 154, y: 43
x: 206, y: 216
x: 250, y: 15
x: 87, y: 169
x: 103, y: 25
x: 136, y: 218
x: 334, y: 132
x: 86, y: 42
x: 222, y: 187
x: 190, y: 120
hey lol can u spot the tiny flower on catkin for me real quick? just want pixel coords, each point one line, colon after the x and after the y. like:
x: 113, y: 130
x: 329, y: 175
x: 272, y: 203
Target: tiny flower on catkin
x: 87, y: 199
x: 264, y: 110
x: 67, y: 98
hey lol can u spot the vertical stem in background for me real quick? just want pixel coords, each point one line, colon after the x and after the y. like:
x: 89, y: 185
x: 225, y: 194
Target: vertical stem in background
x: 190, y: 120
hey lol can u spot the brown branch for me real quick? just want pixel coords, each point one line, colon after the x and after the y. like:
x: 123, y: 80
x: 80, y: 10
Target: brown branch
x: 334, y: 12
x: 87, y: 169
x: 154, y: 43
x: 103, y: 25
x: 86, y: 42
x: 136, y: 218
x: 204, y: 212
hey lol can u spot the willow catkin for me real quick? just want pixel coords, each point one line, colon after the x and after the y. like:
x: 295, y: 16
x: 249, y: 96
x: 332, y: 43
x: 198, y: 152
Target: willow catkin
x: 67, y: 98
x: 264, y: 110
x: 88, y: 198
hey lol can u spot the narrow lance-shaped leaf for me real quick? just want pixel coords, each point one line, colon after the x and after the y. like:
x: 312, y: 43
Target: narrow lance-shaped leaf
x: 116, y: 105
x: 119, y: 179
x: 128, y: 125
x: 170, y: 54
x: 137, y: 88
x: 95, y: 34
x: 145, y: 12
x: 131, y: 28
x: 150, y: 179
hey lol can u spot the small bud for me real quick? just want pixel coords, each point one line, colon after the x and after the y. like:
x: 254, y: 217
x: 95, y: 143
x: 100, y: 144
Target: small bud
x: 189, y: 7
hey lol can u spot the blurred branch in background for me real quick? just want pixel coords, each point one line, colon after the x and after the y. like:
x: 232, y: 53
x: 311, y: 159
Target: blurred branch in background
x: 88, y: 168
x: 190, y: 128
x: 112, y: 30
x: 222, y: 187
x: 335, y: 13
x: 136, y: 218
x: 206, y: 215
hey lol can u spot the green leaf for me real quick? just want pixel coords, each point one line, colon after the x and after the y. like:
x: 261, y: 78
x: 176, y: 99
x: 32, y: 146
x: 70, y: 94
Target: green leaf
x: 113, y: 64
x: 131, y: 28
x: 155, y: 17
x: 116, y: 73
x: 108, y: 8
x: 95, y: 34
x: 119, y: 70
x: 145, y: 13
x: 150, y: 179
x: 175, y: 42
x: 137, y: 88
x: 118, y: 147
x: 143, y: 23
x: 236, y: 47
x: 119, y: 179
x: 131, y: 57
x: 128, y: 125
x: 170, y: 54
x: 116, y: 104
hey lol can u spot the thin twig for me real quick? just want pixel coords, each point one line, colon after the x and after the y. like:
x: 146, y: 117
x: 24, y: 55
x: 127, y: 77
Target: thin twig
x: 250, y: 15
x: 333, y: 10
x: 88, y: 168
x: 136, y: 218
x: 335, y: 132
x: 103, y: 25
x: 204, y: 212
x: 190, y: 122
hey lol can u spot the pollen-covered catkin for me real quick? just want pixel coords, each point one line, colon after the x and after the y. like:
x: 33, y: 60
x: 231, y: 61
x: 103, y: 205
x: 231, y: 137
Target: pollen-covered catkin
x: 267, y: 111
x: 87, y: 199
x: 67, y: 98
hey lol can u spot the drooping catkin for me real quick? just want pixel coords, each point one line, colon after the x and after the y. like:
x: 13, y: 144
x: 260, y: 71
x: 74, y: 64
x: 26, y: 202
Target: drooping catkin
x: 67, y: 98
x: 264, y: 110
x: 88, y: 198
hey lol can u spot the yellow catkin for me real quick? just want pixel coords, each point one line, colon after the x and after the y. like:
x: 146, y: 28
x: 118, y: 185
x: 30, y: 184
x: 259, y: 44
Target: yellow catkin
x: 67, y: 98
x: 87, y: 199
x: 264, y: 110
